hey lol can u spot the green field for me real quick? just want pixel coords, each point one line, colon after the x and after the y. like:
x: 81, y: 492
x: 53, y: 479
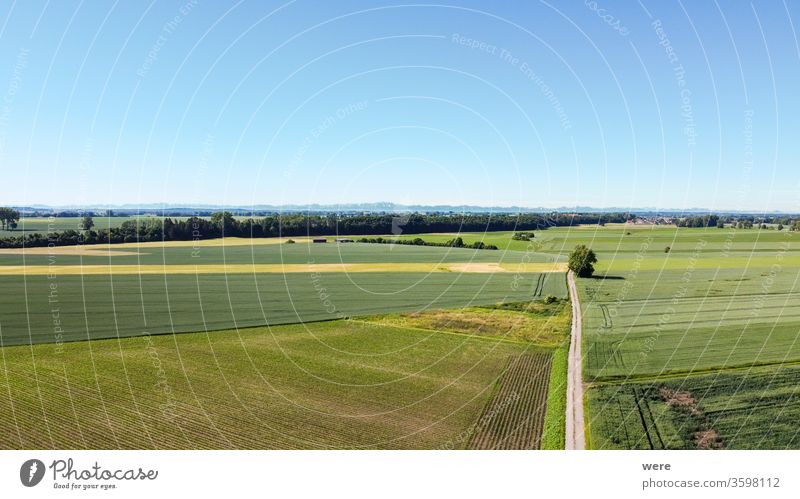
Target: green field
x: 356, y: 383
x: 43, y: 225
x: 41, y: 308
x: 332, y: 384
x: 691, y: 347
x: 715, y: 319
x: 740, y: 409
x: 323, y: 382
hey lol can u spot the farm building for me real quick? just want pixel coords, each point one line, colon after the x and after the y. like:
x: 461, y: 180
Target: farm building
x: 320, y: 240
x: 344, y: 240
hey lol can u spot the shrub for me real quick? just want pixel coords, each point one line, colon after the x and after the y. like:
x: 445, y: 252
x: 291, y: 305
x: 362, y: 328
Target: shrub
x: 522, y: 236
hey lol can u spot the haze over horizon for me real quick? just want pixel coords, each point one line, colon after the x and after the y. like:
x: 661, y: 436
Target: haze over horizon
x: 300, y: 102
x: 378, y: 206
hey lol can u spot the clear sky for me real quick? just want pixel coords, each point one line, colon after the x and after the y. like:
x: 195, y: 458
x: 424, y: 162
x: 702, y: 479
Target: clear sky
x: 606, y: 103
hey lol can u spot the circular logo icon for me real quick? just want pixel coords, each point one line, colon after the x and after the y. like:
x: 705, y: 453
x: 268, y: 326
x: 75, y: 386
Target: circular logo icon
x: 31, y: 472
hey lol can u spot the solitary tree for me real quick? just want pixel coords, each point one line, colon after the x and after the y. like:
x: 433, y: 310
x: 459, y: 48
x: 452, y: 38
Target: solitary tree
x: 582, y: 260
x: 87, y: 222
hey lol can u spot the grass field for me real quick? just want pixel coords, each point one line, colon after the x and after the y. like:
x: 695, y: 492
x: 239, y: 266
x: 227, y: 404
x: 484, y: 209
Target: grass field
x: 543, y: 324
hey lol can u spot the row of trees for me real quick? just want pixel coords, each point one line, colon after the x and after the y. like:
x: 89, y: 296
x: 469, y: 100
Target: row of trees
x: 456, y: 242
x: 224, y: 224
x: 9, y: 218
x: 699, y: 221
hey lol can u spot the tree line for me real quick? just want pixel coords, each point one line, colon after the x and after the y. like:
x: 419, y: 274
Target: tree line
x: 9, y: 218
x: 456, y: 242
x: 297, y: 224
x: 739, y: 222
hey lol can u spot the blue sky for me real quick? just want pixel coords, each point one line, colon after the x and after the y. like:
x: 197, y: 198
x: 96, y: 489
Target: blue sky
x: 659, y: 104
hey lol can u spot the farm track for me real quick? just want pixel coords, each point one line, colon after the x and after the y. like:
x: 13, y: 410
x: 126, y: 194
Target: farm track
x: 514, y: 418
x: 575, y: 436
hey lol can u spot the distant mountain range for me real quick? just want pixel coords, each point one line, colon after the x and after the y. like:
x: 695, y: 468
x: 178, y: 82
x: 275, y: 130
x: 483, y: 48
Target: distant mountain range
x: 378, y: 207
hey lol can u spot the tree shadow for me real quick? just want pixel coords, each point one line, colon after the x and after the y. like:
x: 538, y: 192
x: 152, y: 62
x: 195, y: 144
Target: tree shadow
x: 608, y: 277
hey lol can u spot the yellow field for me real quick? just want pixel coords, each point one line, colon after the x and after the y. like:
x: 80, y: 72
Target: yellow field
x: 278, y: 268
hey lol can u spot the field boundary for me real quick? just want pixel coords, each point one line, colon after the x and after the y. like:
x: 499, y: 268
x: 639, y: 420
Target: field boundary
x: 554, y: 433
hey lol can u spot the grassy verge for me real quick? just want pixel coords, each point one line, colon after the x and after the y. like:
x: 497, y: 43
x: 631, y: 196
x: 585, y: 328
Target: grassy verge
x: 555, y: 417
x: 541, y: 324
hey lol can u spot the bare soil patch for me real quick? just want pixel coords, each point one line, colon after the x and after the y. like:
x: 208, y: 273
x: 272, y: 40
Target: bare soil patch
x: 707, y: 437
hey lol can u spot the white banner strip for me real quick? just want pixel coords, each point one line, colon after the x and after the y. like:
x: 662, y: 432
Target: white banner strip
x: 405, y: 474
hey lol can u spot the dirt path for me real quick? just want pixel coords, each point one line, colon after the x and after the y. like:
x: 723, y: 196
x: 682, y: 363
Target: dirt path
x: 576, y: 440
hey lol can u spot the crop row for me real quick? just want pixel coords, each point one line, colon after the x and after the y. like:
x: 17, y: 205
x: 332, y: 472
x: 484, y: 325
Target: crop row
x: 514, y: 419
